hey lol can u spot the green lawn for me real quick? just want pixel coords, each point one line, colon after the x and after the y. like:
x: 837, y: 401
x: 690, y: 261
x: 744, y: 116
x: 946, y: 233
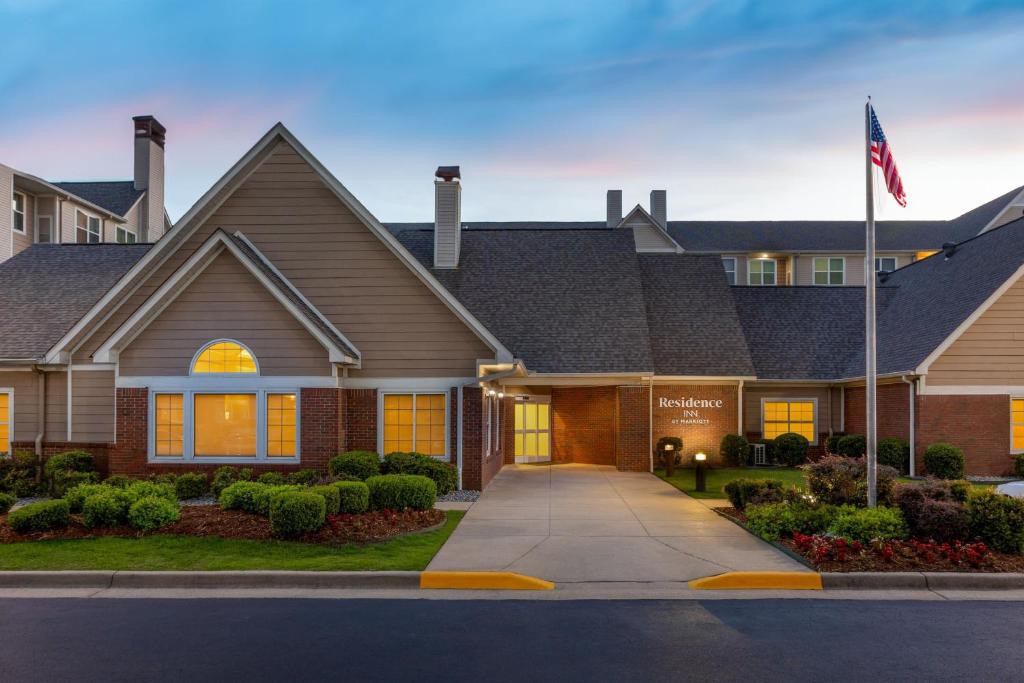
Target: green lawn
x: 411, y: 552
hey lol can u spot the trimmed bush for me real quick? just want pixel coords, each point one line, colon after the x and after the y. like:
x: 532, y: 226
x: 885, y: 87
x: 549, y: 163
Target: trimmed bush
x: 791, y: 449
x: 304, y: 477
x: 62, y: 482
x: 359, y: 464
x: 224, y: 477
x: 76, y: 496
x: 866, y: 524
x: 118, y: 481
x: 46, y: 514
x: 69, y: 469
x: 743, y: 492
x: 240, y: 496
x: 107, y: 508
x: 332, y: 497
x: 146, y: 489
x: 7, y: 501
x: 997, y: 520
x: 733, y: 450
x: 852, y: 446
x: 839, y: 480
x: 191, y: 485
x: 445, y: 476
x: 265, y: 496
x: 401, y: 491
x: 272, y: 479
x: 149, y: 513
x: 18, y: 474
x: 832, y: 443
x: 894, y: 452
x: 934, y: 509
x: 944, y: 461
x: 293, y: 513
x: 354, y: 497
x: 813, y: 519
x: 165, y: 478
x: 771, y: 521
x: 1018, y: 464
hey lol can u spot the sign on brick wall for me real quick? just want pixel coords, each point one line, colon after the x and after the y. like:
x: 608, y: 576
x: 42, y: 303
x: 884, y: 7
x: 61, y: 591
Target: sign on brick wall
x: 698, y: 414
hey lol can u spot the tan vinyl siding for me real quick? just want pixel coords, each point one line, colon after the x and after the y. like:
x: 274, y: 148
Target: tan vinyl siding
x: 225, y: 301
x: 25, y: 385
x: 56, y: 406
x: 648, y: 238
x: 6, y: 218
x: 854, y: 267
x: 753, y: 393
x: 92, y: 406
x: 22, y: 241
x: 399, y: 325
x: 47, y: 206
x: 990, y: 351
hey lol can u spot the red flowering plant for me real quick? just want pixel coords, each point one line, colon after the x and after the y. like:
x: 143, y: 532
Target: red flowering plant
x: 821, y: 549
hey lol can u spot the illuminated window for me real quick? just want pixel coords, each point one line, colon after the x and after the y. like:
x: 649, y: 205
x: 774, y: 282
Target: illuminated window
x: 280, y: 425
x: 415, y: 422
x: 18, y: 212
x: 6, y: 406
x: 169, y: 419
x: 729, y: 262
x: 924, y: 254
x: 87, y: 229
x: 1016, y: 424
x: 761, y: 271
x: 224, y: 357
x: 782, y: 416
x: 224, y: 425
x: 829, y: 270
x: 885, y: 264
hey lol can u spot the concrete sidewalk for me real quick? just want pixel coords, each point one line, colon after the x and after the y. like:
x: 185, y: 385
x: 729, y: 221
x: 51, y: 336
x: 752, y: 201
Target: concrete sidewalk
x: 586, y: 523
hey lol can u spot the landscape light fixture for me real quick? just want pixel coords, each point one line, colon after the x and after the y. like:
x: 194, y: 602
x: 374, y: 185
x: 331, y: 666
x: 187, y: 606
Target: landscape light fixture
x: 701, y: 473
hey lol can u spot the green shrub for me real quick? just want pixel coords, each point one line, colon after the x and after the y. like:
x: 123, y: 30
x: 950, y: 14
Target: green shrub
x: 1018, y: 464
x: 46, y: 514
x: 944, y: 461
x: 62, y: 481
x: 304, y: 477
x: 118, y: 481
x: 361, y: 464
x: 265, y: 496
x: 832, y: 443
x: 147, y: 489
x: 866, y: 524
x: 997, y: 520
x: 272, y: 479
x: 69, y: 469
x: 839, y: 480
x: 771, y: 521
x: 733, y: 450
x: 147, y: 514
x: 852, y: 446
x: 293, y: 513
x: 164, y: 478
x: 7, y: 501
x: 18, y: 474
x: 791, y: 449
x: 743, y: 492
x: 224, y: 477
x: 354, y: 497
x: 934, y: 509
x: 240, y: 496
x: 191, y: 485
x: 76, y: 496
x: 895, y: 453
x: 813, y: 519
x: 332, y: 497
x: 445, y: 476
x: 401, y: 491
x: 107, y: 508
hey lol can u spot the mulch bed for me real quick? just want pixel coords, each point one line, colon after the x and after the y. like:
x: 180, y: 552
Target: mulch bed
x: 903, y: 557
x: 210, y: 520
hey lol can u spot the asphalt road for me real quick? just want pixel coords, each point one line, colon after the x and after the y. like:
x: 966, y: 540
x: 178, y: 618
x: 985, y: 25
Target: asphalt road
x: 428, y: 640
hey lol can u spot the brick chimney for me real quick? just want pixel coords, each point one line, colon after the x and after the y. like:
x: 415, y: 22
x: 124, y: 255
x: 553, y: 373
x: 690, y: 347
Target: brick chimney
x: 447, y: 216
x: 149, y: 175
x: 659, y: 207
x: 614, y: 208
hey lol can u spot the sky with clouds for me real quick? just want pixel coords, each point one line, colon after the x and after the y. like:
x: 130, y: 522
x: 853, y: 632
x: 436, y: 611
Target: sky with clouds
x: 741, y: 110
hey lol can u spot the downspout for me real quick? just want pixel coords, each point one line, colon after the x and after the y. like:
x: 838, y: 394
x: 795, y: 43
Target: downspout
x: 40, y: 420
x: 650, y: 424
x: 912, y: 391
x: 739, y: 409
x: 458, y: 435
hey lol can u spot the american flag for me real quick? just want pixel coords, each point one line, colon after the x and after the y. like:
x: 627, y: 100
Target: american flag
x: 881, y: 154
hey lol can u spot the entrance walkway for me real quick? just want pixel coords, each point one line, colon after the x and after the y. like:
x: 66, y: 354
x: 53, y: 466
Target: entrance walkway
x: 582, y: 523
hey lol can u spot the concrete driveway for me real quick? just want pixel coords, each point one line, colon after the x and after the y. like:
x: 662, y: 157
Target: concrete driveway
x: 587, y: 523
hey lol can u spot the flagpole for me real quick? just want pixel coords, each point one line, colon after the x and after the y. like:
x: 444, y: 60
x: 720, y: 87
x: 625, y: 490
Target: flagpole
x: 870, y: 370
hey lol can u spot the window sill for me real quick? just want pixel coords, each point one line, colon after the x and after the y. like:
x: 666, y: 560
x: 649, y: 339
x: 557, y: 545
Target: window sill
x: 222, y: 460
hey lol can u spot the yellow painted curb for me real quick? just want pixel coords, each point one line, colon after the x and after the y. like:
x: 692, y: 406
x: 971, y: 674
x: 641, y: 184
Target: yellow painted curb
x: 807, y: 581
x: 484, y: 581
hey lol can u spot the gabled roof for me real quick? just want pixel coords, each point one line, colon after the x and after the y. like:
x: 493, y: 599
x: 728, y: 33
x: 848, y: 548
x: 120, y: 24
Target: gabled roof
x: 116, y: 196
x: 339, y: 349
x: 982, y: 216
x: 47, y: 288
x: 639, y: 217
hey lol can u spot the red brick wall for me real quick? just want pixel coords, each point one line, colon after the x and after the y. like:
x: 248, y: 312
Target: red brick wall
x: 476, y: 471
x: 321, y: 434
x: 508, y: 431
x: 633, y: 434
x: 893, y: 412
x: 128, y: 454
x: 361, y: 419
x: 979, y: 425
x: 583, y: 424
x: 686, y: 422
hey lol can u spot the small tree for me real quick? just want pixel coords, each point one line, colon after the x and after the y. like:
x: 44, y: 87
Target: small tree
x: 791, y: 449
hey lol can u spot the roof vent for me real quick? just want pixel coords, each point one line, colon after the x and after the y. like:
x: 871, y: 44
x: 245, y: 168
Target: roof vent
x: 948, y: 249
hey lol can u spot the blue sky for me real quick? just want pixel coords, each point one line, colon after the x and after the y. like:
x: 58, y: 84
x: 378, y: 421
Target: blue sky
x: 741, y: 110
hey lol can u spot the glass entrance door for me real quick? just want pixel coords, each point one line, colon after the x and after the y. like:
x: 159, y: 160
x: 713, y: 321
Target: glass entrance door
x: 533, y: 431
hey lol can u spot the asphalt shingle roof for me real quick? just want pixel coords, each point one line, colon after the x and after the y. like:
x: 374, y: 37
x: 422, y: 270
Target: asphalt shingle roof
x: 47, y: 288
x: 116, y: 196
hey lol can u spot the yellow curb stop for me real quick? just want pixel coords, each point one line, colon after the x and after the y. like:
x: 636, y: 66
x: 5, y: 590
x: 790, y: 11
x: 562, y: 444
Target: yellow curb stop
x: 483, y: 581
x: 808, y: 581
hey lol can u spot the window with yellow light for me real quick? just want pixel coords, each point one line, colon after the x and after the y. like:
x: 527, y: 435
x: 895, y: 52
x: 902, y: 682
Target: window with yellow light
x: 415, y: 422
x: 224, y: 357
x: 1017, y: 424
x: 224, y: 425
x: 5, y: 423
x: 783, y: 416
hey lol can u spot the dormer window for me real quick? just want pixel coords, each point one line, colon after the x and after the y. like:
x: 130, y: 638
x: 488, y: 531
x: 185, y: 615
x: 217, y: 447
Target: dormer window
x: 18, y: 212
x: 126, y: 235
x: 730, y: 268
x: 829, y: 270
x: 761, y: 271
x: 885, y: 264
x: 87, y: 228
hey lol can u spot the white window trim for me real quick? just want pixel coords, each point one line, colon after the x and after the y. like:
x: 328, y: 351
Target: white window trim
x: 88, y: 216
x: 493, y: 431
x: 23, y: 213
x: 895, y: 262
x: 414, y: 394
x: 827, y: 271
x: 791, y: 399
x: 775, y: 272
x: 10, y: 417
x: 727, y: 271
x: 188, y: 392
x: 1013, y: 451
x: 123, y: 227
x: 204, y: 347
x: 53, y: 236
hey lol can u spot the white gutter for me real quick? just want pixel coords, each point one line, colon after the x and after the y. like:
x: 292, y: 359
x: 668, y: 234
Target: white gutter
x: 912, y: 390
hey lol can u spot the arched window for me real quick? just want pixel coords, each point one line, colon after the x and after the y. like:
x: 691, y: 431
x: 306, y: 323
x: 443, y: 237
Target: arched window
x: 224, y: 357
